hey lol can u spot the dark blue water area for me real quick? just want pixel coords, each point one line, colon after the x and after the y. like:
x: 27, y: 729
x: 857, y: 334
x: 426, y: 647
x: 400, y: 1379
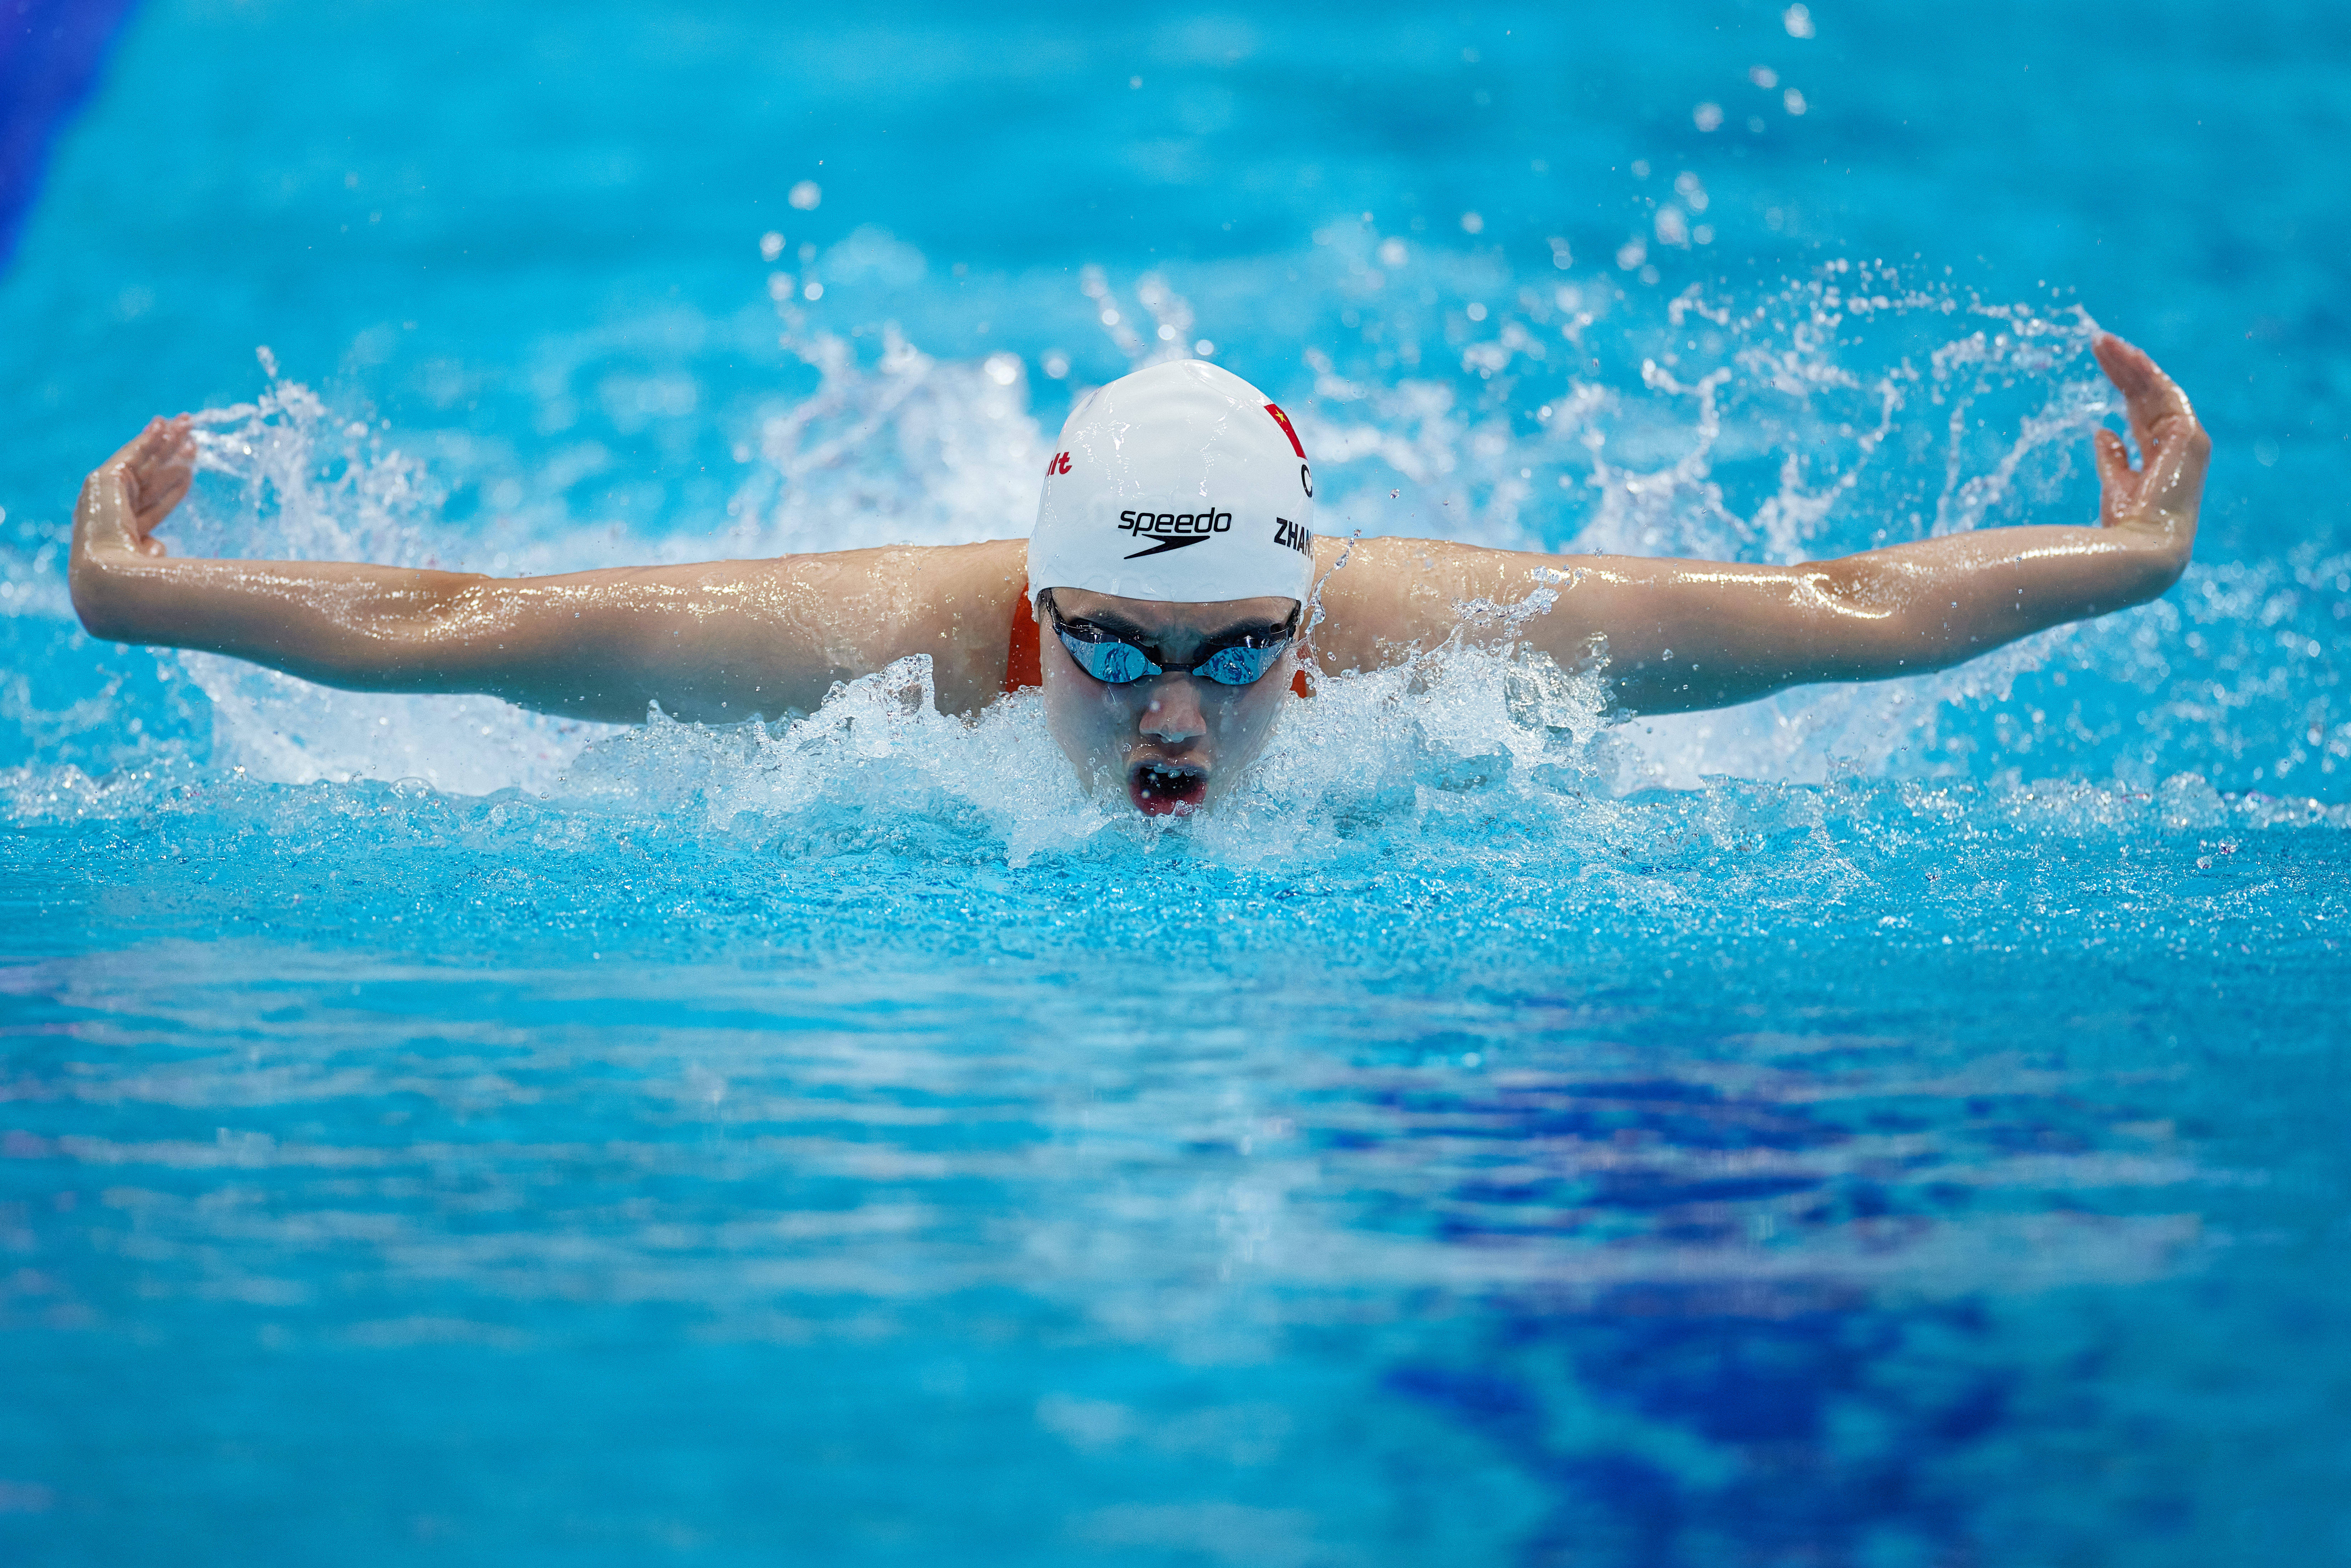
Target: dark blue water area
x: 49, y: 51
x: 1893, y: 1125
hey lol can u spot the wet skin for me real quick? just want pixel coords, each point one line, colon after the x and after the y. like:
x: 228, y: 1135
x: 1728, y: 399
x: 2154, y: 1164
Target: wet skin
x: 1172, y: 742
x: 721, y: 640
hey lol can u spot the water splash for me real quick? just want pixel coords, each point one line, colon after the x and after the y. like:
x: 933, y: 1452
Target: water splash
x: 1447, y: 395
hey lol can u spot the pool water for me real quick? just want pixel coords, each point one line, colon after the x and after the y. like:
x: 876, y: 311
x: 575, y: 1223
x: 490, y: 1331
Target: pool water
x: 1886, y: 1126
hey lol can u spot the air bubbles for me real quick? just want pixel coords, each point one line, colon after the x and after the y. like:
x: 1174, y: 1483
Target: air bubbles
x: 2265, y: 452
x: 1640, y: 168
x: 1691, y: 190
x: 1707, y: 116
x: 1394, y: 254
x: 1798, y: 20
x: 1003, y: 368
x: 1166, y: 333
x: 1561, y: 257
x: 1133, y: 82
x: 771, y: 245
x: 1471, y: 223
x: 1764, y: 77
x: 1054, y: 363
x: 1204, y: 348
x: 814, y: 290
x: 1477, y: 312
x: 1794, y: 100
x: 806, y: 196
x: 780, y: 286
x: 1632, y: 253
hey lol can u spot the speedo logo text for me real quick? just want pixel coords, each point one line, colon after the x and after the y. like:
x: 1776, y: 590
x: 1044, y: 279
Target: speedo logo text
x: 1174, y: 530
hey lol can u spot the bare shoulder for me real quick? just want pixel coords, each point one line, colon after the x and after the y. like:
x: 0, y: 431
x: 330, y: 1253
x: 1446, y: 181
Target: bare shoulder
x: 787, y: 627
x: 906, y: 574
x: 1385, y: 598
x: 955, y: 602
x: 989, y: 574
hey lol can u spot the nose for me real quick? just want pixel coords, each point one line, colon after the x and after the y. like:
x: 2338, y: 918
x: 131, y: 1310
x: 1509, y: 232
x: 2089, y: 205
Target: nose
x: 1172, y: 712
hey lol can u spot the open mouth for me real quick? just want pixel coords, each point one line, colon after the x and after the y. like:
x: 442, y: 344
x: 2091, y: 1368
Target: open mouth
x: 1160, y: 788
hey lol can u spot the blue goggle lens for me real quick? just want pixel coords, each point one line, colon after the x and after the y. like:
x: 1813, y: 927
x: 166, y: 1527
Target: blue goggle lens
x: 1117, y: 663
x: 1239, y: 667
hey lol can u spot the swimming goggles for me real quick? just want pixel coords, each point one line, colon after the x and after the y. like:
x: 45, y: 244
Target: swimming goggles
x: 1237, y: 661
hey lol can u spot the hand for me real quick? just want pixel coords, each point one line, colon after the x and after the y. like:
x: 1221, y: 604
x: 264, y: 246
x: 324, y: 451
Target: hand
x: 2159, y: 500
x: 132, y: 491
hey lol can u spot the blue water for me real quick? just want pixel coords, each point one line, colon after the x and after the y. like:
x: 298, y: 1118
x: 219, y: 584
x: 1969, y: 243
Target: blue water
x: 1892, y: 1126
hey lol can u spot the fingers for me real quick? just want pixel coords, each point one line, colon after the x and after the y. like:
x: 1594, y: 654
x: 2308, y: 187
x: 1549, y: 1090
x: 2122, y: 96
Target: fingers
x: 172, y: 490
x: 2118, y: 484
x: 2161, y: 419
x: 130, y: 450
x: 2125, y: 364
x: 165, y: 443
x: 2154, y: 399
x: 156, y: 469
x: 159, y: 443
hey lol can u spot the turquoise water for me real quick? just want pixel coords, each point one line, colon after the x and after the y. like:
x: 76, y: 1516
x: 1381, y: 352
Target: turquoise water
x: 1891, y: 1126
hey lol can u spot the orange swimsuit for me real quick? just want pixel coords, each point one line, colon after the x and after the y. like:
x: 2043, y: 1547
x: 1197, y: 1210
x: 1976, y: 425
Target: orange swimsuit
x: 1023, y: 665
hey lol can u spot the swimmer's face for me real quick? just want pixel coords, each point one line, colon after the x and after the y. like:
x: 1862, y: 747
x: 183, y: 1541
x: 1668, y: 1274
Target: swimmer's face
x: 1170, y: 742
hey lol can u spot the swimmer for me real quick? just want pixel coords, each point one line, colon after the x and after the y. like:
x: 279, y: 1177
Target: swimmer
x: 1170, y: 601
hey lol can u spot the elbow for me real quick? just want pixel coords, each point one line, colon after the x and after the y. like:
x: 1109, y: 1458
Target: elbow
x: 102, y: 599
x: 2133, y: 577
x: 456, y: 638
x: 2157, y: 574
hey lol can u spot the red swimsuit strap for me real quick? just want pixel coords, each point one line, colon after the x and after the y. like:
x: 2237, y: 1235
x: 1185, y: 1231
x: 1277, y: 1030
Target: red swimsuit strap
x: 1022, y: 666
x: 1023, y: 662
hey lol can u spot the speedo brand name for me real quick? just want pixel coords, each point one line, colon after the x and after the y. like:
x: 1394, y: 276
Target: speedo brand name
x: 1174, y: 530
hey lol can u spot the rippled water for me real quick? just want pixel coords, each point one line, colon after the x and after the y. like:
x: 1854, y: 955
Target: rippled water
x: 1893, y: 1124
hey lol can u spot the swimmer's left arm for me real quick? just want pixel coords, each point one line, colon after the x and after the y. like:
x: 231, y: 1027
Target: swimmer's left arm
x: 1684, y: 635
x: 1675, y: 636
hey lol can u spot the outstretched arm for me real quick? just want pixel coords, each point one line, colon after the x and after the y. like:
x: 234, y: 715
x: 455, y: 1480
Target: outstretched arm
x: 1679, y: 634
x: 720, y: 641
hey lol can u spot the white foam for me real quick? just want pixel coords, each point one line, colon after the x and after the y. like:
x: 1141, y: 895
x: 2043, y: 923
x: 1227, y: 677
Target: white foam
x: 1755, y: 429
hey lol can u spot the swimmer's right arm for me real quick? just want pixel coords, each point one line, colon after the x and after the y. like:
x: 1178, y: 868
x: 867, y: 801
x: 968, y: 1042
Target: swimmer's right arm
x: 711, y: 642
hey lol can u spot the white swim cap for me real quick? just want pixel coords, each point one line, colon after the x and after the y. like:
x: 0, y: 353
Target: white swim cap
x: 1179, y: 483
